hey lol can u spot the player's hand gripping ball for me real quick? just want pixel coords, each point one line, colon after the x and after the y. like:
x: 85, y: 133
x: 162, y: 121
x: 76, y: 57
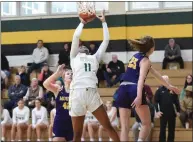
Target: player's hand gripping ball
x: 87, y: 16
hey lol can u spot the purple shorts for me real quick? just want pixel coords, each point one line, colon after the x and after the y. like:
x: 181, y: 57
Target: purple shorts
x: 126, y: 94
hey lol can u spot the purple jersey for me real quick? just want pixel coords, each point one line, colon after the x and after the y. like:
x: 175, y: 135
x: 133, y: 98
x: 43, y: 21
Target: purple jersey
x: 133, y: 69
x: 62, y: 122
x: 62, y: 105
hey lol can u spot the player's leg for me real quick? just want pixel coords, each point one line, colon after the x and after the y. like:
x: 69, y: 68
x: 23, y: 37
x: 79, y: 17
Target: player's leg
x: 100, y: 132
x: 4, y: 128
x: 145, y: 117
x: 135, y: 130
x: 39, y: 129
x: 29, y: 132
x: 85, y: 128
x: 124, y: 119
x: 77, y: 123
x: 13, y: 131
x: 20, y: 129
x: 59, y: 139
x: 92, y: 127
x: 102, y: 117
x: 50, y: 132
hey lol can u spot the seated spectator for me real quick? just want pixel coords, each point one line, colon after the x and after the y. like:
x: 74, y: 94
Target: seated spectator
x: 15, y: 93
x: 5, y: 65
x: 168, y: 103
x: 172, y: 54
x: 40, y: 56
x: 34, y: 92
x: 188, y: 81
x: 186, y: 107
x: 85, y: 125
x: 148, y: 92
x: 39, y: 120
x: 45, y: 73
x: 23, y: 75
x: 92, y: 48
x: 93, y: 126
x: 4, y: 80
x: 112, y: 114
x: 52, y: 116
x: 6, y: 122
x: 114, y: 71
x: 64, y: 56
x: 20, y: 120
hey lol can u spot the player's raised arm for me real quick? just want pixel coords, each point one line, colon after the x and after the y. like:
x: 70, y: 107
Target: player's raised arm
x: 106, y: 38
x: 75, y: 39
x: 49, y: 83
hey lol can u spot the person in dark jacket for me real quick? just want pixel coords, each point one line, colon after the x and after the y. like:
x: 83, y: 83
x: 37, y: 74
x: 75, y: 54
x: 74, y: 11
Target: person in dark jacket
x: 168, y: 103
x: 15, y: 93
x: 114, y: 70
x: 5, y: 65
x: 172, y: 54
x: 24, y: 78
x: 64, y: 55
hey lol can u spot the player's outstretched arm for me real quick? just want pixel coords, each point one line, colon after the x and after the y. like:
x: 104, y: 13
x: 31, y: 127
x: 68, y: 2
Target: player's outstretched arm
x: 49, y: 83
x: 158, y: 76
x: 106, y: 38
x: 75, y: 39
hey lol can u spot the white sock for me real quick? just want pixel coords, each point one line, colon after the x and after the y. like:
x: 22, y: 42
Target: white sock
x: 91, y: 139
x: 19, y: 140
x: 110, y: 139
x: 100, y: 139
x: 139, y: 140
x: 3, y: 138
x: 28, y: 140
x: 38, y: 140
x: 50, y: 139
x: 82, y: 139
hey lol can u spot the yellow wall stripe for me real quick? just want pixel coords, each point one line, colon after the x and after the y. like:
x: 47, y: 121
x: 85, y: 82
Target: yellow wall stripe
x: 116, y: 33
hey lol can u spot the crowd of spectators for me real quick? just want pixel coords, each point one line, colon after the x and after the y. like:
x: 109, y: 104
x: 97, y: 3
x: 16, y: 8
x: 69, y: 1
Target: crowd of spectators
x: 31, y: 94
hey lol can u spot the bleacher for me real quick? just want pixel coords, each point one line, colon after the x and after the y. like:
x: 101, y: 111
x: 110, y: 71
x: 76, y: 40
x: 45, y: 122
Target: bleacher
x: 177, y: 78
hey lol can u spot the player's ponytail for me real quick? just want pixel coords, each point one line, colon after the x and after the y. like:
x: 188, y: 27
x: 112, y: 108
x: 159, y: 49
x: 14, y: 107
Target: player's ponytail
x: 142, y: 45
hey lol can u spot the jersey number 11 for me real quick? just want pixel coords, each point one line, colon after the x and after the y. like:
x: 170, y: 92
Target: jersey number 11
x: 87, y: 67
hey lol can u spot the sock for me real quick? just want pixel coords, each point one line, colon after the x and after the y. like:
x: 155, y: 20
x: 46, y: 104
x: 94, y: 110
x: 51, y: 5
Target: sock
x: 139, y: 140
x: 91, y: 139
x: 50, y: 139
x: 28, y: 140
x: 110, y: 139
x: 19, y: 140
x: 82, y: 139
x: 38, y: 140
x: 100, y: 139
x: 3, y: 138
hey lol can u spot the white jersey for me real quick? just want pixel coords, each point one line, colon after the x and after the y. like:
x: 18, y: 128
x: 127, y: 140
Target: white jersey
x: 53, y: 111
x: 89, y: 117
x: 21, y: 115
x: 5, y: 117
x: 39, y: 116
x: 110, y: 114
x: 84, y: 67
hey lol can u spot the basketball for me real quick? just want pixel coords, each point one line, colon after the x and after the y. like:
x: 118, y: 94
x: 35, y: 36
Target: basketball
x: 86, y: 11
x: 87, y: 17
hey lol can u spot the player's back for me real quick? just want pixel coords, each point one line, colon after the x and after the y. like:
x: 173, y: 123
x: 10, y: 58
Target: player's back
x: 84, y: 68
x: 133, y: 69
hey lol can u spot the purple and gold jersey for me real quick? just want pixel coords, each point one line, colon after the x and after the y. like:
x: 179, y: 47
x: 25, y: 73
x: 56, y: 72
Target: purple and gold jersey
x: 62, y: 121
x: 133, y: 69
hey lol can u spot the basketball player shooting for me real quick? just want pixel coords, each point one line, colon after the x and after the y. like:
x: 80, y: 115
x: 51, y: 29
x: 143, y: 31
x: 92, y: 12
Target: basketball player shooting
x: 83, y: 89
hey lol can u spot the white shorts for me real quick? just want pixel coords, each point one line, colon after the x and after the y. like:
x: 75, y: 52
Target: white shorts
x: 83, y: 100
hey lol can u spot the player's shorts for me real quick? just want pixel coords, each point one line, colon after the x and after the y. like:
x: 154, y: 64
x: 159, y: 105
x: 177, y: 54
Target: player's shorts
x: 83, y: 100
x: 126, y: 94
x: 63, y: 128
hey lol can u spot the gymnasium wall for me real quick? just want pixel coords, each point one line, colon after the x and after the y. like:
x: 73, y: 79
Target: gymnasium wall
x: 19, y: 37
